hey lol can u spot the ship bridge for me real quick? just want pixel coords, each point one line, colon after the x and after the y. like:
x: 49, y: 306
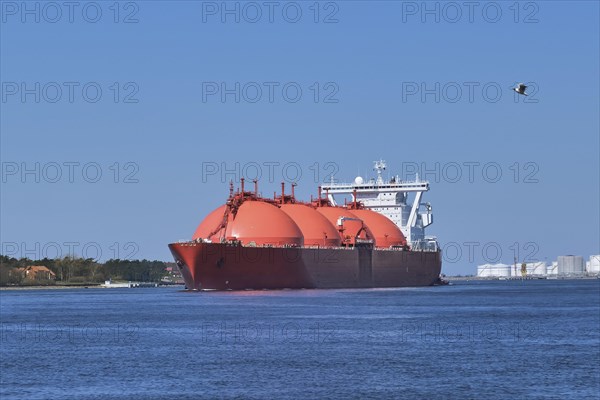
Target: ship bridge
x: 398, y: 200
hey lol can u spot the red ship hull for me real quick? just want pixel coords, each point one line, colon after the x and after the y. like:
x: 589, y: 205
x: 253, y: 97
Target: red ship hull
x: 222, y: 266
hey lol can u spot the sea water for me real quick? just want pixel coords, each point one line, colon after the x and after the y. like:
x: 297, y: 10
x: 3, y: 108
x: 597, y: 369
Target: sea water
x: 472, y: 339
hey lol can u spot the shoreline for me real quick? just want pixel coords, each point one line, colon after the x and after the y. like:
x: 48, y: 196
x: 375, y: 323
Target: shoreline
x: 528, y: 278
x: 447, y: 278
x: 64, y: 287
x: 50, y: 287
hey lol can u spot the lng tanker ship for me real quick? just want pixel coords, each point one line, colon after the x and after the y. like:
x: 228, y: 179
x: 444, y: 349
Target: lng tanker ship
x: 253, y: 242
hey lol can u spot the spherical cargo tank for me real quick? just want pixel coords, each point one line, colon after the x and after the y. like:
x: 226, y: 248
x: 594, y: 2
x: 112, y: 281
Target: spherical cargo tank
x: 385, y: 232
x: 315, y: 227
x: 264, y: 224
x: 209, y: 224
x: 351, y: 228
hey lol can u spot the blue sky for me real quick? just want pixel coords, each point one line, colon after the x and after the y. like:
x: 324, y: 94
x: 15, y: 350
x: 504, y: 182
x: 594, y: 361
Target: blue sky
x: 158, y: 123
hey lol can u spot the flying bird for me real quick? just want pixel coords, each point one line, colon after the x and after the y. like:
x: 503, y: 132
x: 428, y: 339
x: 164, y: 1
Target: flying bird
x: 521, y: 89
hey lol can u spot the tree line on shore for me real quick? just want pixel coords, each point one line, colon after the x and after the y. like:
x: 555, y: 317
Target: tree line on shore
x: 76, y: 270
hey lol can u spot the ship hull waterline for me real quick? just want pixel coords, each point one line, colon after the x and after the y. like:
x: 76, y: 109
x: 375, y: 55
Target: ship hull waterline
x: 223, y: 266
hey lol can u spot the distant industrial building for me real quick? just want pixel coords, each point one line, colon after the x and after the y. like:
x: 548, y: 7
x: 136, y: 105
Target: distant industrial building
x: 564, y: 266
x: 570, y: 265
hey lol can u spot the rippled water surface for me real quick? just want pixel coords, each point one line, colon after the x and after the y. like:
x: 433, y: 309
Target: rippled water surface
x: 498, y: 339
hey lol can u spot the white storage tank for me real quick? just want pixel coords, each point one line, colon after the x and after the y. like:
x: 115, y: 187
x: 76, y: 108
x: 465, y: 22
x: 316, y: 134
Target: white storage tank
x: 493, y: 271
x: 594, y: 265
x: 537, y: 268
x: 552, y: 269
x: 571, y: 265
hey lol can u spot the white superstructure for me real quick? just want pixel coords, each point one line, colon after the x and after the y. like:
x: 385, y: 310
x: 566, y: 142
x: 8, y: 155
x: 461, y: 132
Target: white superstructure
x: 398, y: 200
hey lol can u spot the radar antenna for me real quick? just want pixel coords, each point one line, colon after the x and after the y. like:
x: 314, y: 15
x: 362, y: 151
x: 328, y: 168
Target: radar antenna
x: 379, y: 166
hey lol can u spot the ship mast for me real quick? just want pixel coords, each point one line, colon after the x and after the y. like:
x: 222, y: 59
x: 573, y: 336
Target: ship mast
x: 379, y: 168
